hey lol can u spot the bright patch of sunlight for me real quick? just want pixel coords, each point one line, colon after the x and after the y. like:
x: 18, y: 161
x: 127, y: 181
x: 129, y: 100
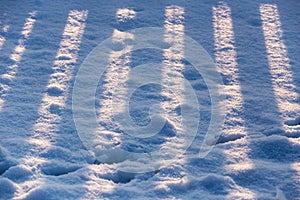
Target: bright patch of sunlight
x: 173, y: 81
x: 117, y: 73
x: 227, y: 65
x: 125, y: 14
x: 57, y: 89
x: 5, y: 29
x: 279, y: 65
x: 16, y: 55
x: 172, y: 77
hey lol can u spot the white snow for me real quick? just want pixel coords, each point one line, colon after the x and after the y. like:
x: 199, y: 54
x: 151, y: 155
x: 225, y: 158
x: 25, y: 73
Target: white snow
x: 16, y: 55
x: 280, y: 68
x: 225, y: 57
x: 55, y: 97
x: 255, y: 45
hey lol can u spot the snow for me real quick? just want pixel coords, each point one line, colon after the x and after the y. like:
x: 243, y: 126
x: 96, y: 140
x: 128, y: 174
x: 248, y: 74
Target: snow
x: 170, y: 88
x: 225, y: 57
x: 17, y: 53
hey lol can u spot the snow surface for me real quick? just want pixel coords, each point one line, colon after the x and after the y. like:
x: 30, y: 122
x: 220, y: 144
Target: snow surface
x: 255, y: 45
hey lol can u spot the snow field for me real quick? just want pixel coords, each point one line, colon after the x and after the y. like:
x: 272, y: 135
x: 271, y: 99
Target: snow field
x: 257, y: 155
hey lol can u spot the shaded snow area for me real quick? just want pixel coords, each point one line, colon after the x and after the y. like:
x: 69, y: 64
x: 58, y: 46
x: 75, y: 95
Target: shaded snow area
x: 255, y: 48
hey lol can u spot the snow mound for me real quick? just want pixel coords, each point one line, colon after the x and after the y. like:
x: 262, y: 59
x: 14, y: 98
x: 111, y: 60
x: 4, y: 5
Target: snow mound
x: 7, y: 188
x: 19, y: 173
